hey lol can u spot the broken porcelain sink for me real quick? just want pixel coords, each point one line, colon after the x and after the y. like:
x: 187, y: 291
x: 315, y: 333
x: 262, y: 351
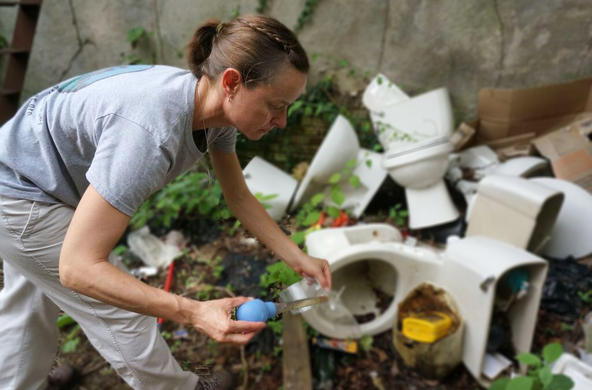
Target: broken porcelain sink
x: 377, y: 270
x: 514, y: 210
x: 572, y: 232
x: 415, y: 133
x: 340, y: 146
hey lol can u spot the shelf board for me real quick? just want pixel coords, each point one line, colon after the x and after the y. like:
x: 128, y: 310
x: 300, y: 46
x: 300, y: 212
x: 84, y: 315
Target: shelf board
x: 12, y: 50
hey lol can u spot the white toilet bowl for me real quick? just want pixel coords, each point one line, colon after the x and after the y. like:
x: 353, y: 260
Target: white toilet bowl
x: 371, y: 264
x: 420, y: 169
x: 415, y: 133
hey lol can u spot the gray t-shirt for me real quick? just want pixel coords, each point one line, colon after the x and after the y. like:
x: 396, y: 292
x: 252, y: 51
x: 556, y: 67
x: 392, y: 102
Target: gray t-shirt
x: 126, y: 130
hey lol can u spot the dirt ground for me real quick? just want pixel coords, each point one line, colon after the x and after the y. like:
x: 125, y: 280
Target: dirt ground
x: 231, y: 265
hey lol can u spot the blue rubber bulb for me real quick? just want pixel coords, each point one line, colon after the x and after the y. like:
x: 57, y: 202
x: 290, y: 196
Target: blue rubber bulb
x: 255, y: 310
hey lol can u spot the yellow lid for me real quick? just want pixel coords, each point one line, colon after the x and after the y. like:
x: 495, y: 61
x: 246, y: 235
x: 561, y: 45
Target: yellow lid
x: 426, y: 327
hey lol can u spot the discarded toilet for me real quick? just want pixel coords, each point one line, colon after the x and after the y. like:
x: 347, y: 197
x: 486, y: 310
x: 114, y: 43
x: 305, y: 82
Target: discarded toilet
x: 340, y: 146
x: 375, y: 271
x: 415, y: 134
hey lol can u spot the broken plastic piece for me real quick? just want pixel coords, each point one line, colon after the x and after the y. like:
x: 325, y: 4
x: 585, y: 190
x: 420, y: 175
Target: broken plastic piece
x: 426, y: 327
x: 349, y: 346
x: 150, y: 249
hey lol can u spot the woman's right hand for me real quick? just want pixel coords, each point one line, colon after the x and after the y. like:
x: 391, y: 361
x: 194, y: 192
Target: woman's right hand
x: 214, y: 318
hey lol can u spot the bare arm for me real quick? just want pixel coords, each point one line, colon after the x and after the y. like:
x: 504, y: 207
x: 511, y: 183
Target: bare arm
x: 93, y: 232
x: 253, y: 216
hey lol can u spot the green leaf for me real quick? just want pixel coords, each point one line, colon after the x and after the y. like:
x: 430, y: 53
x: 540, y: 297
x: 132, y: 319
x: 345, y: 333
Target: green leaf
x: 560, y: 382
x: 134, y: 34
x: 70, y: 345
x: 298, y: 237
x: 545, y: 376
x: 333, y: 211
x: 529, y: 359
x: 551, y: 352
x: 311, y: 218
x: 276, y: 327
x: 366, y: 342
x: 295, y: 107
x: 337, y: 195
x: 369, y: 163
x: 65, y: 320
x: 316, y: 199
x: 334, y: 179
x: 351, y: 163
x: 520, y: 383
x: 354, y: 181
x: 499, y: 384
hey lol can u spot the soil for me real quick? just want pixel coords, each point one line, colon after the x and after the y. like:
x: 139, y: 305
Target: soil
x: 230, y: 264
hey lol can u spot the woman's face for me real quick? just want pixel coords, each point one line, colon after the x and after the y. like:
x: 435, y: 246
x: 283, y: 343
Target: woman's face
x: 256, y: 111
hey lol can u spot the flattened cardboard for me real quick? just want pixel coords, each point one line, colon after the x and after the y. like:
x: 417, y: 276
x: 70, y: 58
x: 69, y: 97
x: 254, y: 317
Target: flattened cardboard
x: 509, y: 112
x: 570, y: 151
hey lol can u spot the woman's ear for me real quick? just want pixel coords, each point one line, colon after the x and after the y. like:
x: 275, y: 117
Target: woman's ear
x: 231, y: 82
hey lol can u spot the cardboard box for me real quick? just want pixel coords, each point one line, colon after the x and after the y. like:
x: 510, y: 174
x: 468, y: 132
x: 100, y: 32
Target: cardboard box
x: 570, y: 151
x: 510, y: 112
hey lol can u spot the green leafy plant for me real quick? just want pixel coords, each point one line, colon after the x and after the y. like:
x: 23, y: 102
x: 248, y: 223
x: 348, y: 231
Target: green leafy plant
x: 261, y: 6
x: 190, y: 194
x: 277, y: 276
x: 366, y: 342
x: 3, y: 42
x: 539, y: 375
x: 585, y: 296
x: 398, y: 215
x: 140, y: 40
x: 71, y: 341
x: 235, y: 12
x: 310, y: 212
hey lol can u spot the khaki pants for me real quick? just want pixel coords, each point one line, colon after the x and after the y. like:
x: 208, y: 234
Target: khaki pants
x: 31, y: 235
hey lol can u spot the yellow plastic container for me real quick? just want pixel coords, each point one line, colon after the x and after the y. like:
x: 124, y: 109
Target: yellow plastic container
x: 426, y: 327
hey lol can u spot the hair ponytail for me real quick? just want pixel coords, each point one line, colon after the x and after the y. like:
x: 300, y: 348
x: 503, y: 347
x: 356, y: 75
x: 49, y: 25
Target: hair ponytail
x: 255, y: 45
x: 201, y: 44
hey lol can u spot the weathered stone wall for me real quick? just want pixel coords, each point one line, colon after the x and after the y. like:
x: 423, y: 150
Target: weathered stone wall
x: 419, y: 44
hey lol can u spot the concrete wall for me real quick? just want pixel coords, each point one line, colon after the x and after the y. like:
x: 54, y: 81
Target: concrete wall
x: 419, y: 44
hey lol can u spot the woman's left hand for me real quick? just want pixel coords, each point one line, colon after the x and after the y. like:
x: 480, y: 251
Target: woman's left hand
x: 313, y: 267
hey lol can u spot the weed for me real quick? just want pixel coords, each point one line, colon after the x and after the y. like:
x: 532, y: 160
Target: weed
x: 539, y: 375
x: 72, y: 340
x: 277, y: 277
x: 189, y: 193
x: 366, y: 342
x: 398, y: 215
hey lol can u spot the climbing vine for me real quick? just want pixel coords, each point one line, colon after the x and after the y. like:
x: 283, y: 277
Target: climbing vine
x: 261, y: 6
x: 306, y: 14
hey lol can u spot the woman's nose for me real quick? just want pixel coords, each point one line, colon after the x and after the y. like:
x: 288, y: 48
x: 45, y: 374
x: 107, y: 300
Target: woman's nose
x: 281, y: 120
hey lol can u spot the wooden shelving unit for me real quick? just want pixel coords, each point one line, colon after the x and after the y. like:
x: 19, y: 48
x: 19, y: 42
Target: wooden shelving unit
x: 18, y: 54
